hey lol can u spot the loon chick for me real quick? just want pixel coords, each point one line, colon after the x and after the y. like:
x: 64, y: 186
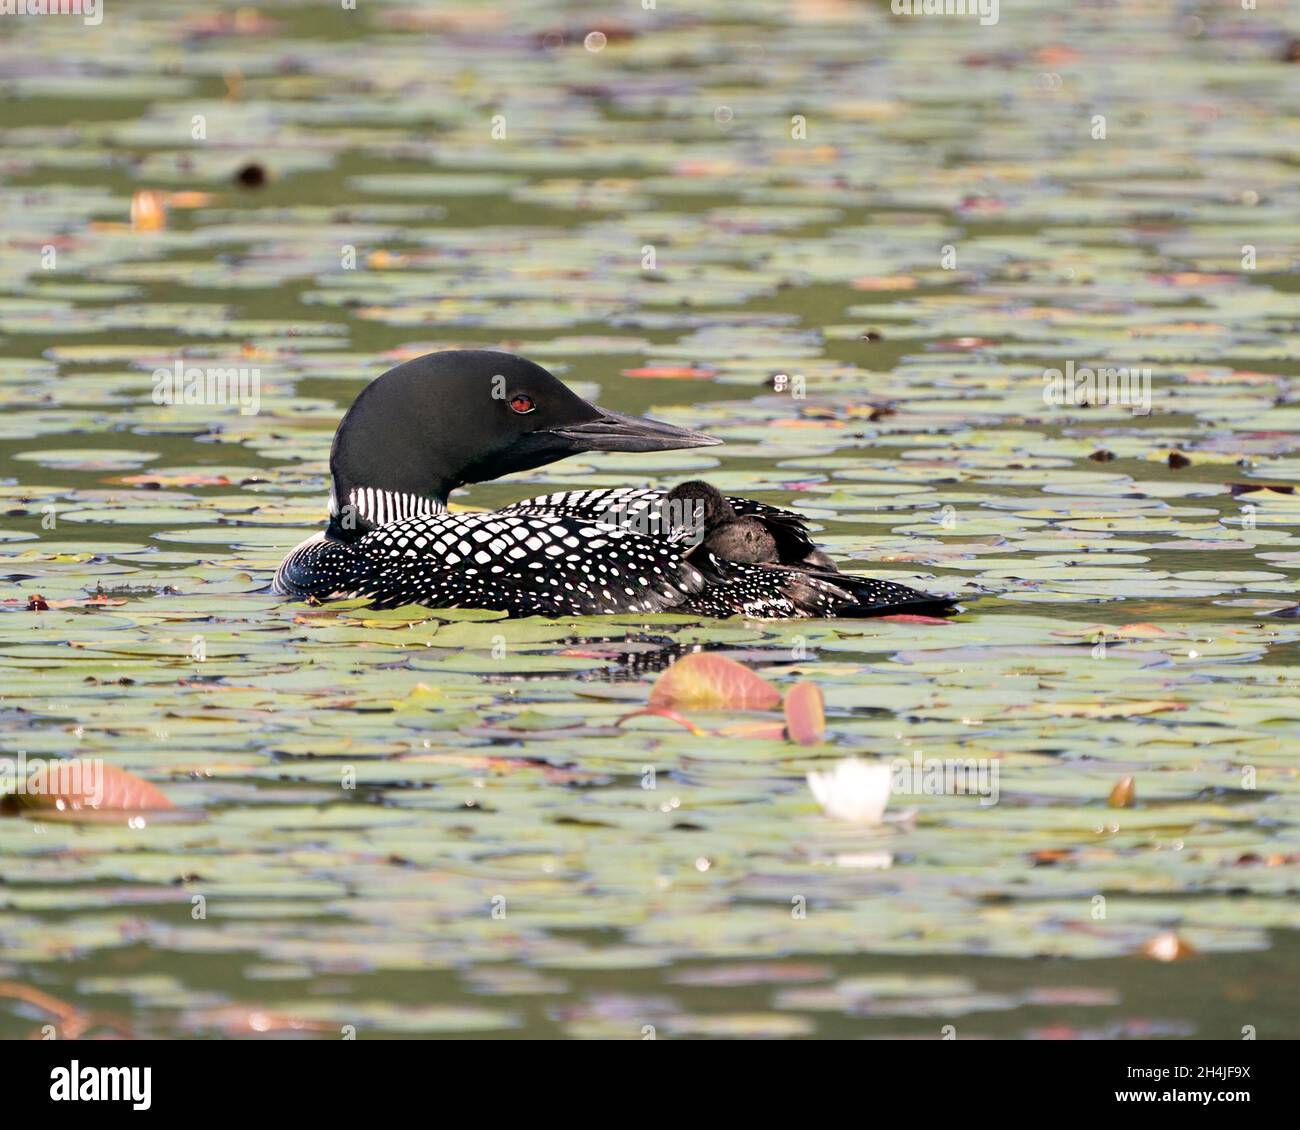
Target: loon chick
x: 711, y: 521
x: 435, y: 423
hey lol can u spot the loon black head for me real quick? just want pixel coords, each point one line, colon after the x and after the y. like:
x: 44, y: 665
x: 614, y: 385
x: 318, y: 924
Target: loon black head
x: 461, y: 416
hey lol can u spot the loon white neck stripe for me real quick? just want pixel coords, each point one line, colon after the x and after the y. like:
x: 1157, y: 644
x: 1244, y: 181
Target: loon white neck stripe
x: 381, y: 507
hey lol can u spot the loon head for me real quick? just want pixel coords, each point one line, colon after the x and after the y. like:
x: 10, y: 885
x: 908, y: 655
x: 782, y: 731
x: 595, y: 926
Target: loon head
x: 694, y: 510
x: 461, y: 416
x: 710, y: 508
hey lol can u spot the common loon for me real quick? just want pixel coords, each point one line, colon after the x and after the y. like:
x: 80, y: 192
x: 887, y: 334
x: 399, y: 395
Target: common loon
x: 432, y: 424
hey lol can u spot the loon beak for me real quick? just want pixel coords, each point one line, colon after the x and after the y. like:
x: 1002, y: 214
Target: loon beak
x: 613, y: 431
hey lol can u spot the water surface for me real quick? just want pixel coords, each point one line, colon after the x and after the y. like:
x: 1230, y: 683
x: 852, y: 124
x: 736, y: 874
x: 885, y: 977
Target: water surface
x: 846, y: 242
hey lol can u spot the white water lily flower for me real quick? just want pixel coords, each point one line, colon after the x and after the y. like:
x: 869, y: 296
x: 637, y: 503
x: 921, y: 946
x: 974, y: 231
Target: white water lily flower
x: 853, y: 790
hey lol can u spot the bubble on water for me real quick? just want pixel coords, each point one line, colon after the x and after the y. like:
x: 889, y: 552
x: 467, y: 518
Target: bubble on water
x: 595, y: 41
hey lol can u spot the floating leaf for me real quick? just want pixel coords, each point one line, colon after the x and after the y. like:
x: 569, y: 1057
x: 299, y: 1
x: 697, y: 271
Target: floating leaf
x: 705, y: 681
x: 77, y: 785
x: 805, y: 713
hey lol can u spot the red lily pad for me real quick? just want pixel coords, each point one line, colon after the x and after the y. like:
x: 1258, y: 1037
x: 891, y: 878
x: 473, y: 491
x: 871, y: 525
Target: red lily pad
x: 805, y: 713
x: 713, y: 682
x: 85, y: 785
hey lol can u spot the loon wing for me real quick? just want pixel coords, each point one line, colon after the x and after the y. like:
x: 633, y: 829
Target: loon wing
x: 629, y: 505
x: 526, y: 564
x: 784, y: 591
x: 613, y: 506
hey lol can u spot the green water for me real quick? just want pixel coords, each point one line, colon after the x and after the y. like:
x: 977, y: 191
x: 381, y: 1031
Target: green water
x: 421, y: 823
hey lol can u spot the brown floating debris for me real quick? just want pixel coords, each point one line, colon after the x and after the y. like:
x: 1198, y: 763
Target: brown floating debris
x: 1247, y: 488
x: 251, y: 175
x: 1167, y: 947
x: 1122, y: 795
x: 69, y: 1022
x: 148, y: 210
x: 189, y: 199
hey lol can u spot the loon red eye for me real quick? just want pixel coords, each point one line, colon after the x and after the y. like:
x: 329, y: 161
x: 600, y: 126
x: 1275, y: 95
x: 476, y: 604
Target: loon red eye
x: 522, y: 404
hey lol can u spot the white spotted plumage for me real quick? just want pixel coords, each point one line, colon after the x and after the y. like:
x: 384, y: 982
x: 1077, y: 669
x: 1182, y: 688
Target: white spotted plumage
x: 518, y: 563
x: 551, y: 556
